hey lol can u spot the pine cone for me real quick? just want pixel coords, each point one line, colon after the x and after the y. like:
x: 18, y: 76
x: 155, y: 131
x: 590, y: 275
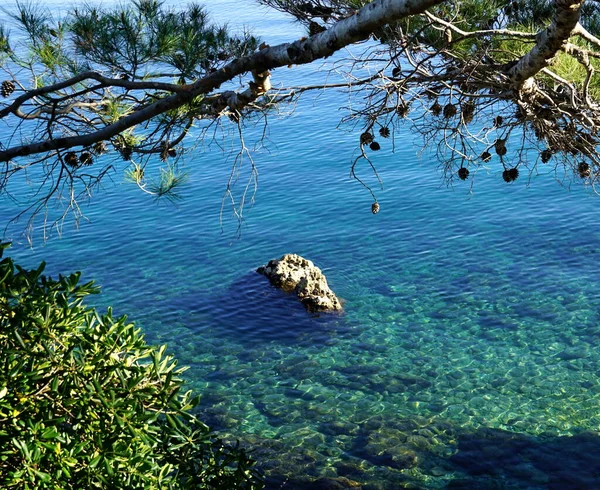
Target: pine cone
x: 510, y: 175
x: 314, y: 28
x: 546, y: 155
x: 164, y: 152
x: 366, y: 138
x: 8, y: 87
x: 463, y: 173
x: 99, y: 148
x: 498, y: 120
x: 375, y: 207
x: 450, y: 111
x: 384, y: 132
x: 403, y: 110
x: 486, y: 156
x: 468, y: 111
x: 375, y: 146
x: 468, y: 108
x: 126, y: 153
x: 584, y: 170
x: 436, y: 108
x: 86, y: 158
x: 72, y: 159
x: 500, y: 147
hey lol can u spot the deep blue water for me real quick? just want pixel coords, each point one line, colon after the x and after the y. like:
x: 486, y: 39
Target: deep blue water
x: 466, y: 357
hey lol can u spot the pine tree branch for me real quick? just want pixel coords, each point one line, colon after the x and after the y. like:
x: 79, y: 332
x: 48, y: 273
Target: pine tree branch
x: 358, y: 27
x: 480, y: 33
x: 88, y: 75
x: 549, y: 42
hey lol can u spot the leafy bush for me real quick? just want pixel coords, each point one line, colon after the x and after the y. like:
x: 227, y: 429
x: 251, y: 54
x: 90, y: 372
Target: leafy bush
x: 86, y: 403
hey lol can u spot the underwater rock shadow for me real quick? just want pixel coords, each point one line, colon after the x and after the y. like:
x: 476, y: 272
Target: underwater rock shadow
x: 252, y: 310
x: 493, y: 457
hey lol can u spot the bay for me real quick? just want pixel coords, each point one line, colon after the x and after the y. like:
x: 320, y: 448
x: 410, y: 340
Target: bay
x: 466, y: 355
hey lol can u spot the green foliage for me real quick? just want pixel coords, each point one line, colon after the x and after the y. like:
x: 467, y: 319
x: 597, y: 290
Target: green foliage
x: 135, y: 40
x: 170, y: 179
x: 563, y: 65
x: 86, y: 403
x: 569, y: 68
x: 504, y: 50
x: 145, y: 35
x: 114, y: 109
x: 539, y: 12
x: 519, y: 15
x: 469, y: 15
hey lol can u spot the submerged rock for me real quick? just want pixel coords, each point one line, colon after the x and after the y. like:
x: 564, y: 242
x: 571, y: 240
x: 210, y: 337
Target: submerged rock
x: 339, y: 483
x: 293, y: 273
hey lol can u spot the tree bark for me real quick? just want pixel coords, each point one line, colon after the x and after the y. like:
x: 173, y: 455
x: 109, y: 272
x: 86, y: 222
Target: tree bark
x: 549, y: 42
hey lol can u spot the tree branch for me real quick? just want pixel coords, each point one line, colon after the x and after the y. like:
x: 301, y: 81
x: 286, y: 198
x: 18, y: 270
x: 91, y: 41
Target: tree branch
x: 480, y: 33
x: 585, y: 34
x: 549, y: 42
x: 88, y: 75
x: 347, y: 31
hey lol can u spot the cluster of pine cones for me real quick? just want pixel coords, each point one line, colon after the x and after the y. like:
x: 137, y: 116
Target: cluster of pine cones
x: 74, y: 160
x: 8, y: 87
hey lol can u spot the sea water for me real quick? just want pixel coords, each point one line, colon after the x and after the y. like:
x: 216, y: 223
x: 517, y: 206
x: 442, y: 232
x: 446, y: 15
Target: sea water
x: 467, y: 354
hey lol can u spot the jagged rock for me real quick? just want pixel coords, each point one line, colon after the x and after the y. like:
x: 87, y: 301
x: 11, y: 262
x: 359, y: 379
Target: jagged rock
x: 293, y: 273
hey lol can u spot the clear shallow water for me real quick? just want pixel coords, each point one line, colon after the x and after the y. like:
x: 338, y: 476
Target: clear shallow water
x: 466, y: 357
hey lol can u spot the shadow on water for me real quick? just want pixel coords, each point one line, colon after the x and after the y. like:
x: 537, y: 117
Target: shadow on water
x: 494, y: 459
x: 389, y: 454
x: 251, y: 310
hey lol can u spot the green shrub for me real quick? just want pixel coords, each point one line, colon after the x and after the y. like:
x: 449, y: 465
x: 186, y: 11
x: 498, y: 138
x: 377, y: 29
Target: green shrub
x: 85, y: 403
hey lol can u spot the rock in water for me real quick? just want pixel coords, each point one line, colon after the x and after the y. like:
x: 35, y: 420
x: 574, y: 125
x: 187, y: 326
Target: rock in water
x: 293, y: 273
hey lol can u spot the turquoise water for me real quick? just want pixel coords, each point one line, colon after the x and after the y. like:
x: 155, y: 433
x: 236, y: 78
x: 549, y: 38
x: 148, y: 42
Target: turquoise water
x: 466, y: 357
